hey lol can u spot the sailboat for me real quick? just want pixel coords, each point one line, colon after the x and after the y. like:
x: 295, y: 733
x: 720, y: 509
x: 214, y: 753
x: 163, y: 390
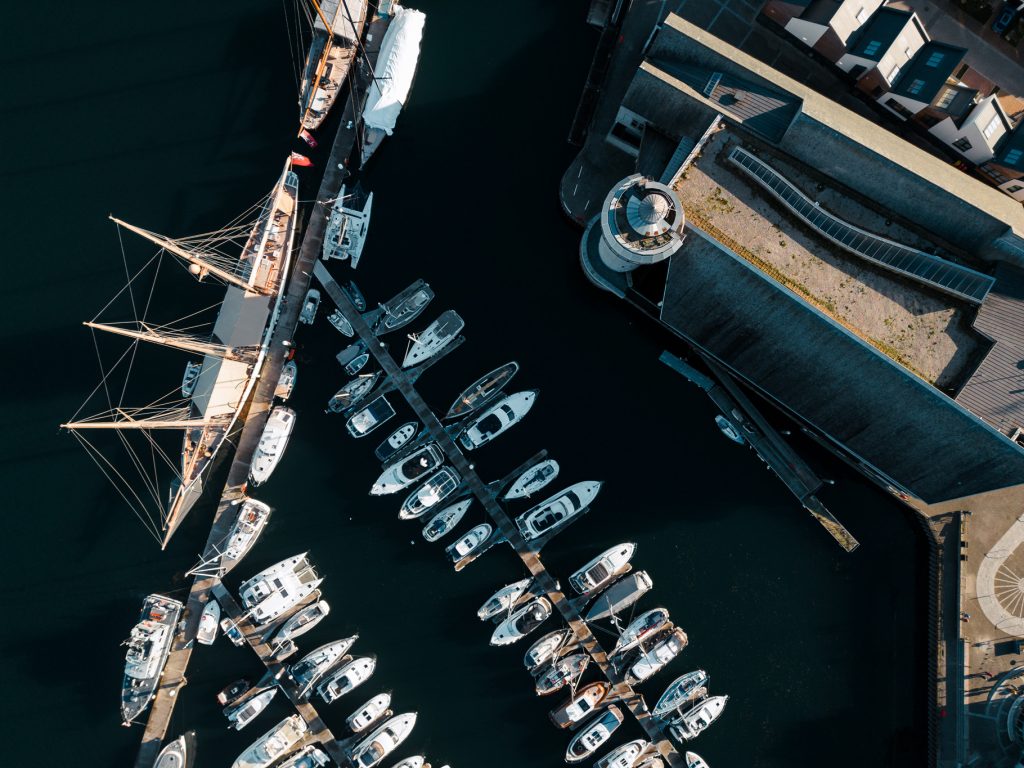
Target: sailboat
x: 337, y: 28
x: 234, y: 353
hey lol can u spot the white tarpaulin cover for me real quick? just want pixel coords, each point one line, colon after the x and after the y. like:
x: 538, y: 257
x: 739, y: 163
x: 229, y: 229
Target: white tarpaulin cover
x: 396, y: 66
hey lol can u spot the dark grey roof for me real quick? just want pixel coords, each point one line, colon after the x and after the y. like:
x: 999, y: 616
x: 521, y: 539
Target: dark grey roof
x: 962, y: 104
x: 810, y: 366
x: 822, y: 11
x: 1014, y: 142
x: 882, y: 28
x: 926, y: 73
x: 995, y: 391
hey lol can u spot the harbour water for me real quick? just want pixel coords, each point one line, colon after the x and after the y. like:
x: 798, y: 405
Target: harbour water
x: 177, y: 118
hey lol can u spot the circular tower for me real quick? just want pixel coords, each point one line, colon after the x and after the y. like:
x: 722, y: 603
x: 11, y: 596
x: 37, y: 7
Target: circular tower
x: 641, y: 224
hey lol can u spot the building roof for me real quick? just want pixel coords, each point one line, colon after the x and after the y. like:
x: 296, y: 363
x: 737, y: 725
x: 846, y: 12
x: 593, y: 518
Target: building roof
x: 1011, y: 149
x: 822, y: 11
x: 813, y: 367
x: 923, y: 76
x: 873, y: 40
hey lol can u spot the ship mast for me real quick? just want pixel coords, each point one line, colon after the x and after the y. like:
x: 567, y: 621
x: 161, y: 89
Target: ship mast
x: 177, y: 341
x: 128, y: 421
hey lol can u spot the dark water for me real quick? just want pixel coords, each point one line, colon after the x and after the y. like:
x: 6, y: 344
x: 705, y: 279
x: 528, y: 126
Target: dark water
x: 177, y: 117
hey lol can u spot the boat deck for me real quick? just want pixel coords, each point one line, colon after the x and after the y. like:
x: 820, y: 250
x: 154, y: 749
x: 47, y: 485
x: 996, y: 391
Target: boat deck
x: 529, y: 552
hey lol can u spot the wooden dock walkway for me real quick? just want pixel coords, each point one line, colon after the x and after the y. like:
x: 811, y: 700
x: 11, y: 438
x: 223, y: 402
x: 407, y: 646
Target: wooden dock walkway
x: 528, y: 553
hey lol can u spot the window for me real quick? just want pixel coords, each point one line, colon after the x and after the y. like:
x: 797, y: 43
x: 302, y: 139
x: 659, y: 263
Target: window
x: 946, y: 98
x: 915, y: 87
x: 962, y: 144
x: 893, y: 73
x: 898, y: 108
x: 935, y: 59
x: 994, y: 123
x: 1013, y: 156
x: 1014, y: 189
x: 872, y: 48
x: 862, y: 15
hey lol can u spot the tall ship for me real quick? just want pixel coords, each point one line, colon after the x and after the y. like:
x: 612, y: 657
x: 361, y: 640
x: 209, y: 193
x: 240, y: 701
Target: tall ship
x: 149, y: 645
x: 233, y: 354
x: 337, y: 28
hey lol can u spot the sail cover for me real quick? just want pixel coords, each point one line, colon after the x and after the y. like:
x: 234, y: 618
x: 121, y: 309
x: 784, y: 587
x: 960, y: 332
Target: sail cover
x: 396, y: 67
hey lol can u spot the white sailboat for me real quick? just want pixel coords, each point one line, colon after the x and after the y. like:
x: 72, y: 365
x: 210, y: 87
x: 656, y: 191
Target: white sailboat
x: 337, y: 28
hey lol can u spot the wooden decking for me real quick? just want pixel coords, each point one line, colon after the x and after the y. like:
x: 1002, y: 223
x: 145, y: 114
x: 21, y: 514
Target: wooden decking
x: 528, y: 552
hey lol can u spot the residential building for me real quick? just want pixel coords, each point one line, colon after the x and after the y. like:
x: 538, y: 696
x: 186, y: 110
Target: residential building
x: 976, y: 134
x: 882, y: 48
x: 1006, y: 169
x: 925, y: 81
x: 827, y: 25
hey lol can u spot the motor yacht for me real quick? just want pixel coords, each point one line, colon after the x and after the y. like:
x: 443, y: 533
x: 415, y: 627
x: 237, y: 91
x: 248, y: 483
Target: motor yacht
x: 435, y: 489
x: 346, y: 678
x: 497, y: 419
x: 522, y: 622
x: 406, y: 471
x: 383, y: 741
x: 593, y: 735
x: 557, y: 510
x: 603, y: 569
x: 272, y: 444
x: 472, y: 541
x: 273, y: 745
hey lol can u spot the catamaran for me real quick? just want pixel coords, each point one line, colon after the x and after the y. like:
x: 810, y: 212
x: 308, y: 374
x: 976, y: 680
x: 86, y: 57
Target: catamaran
x: 234, y: 352
x: 279, y: 588
x: 347, y: 228
x: 148, y: 648
x: 330, y: 56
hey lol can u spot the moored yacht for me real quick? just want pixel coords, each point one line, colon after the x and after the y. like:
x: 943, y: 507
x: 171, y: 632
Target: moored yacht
x: 435, y: 489
x: 691, y: 724
x: 729, y: 430
x: 470, y: 542
x: 208, y: 621
x: 396, y: 440
x: 279, y: 588
x: 302, y: 621
x: 369, y: 417
x: 693, y: 760
x: 652, y: 660
x: 383, y: 741
x: 180, y: 753
x: 341, y: 323
x: 347, y: 227
x: 310, y: 756
x: 272, y: 444
x: 497, y: 419
x: 561, y: 672
x: 346, y: 678
x: 337, y: 28
x: 286, y: 381
x: 547, y: 648
x: 246, y: 709
x: 402, y: 309
x: 624, y: 755
x: 353, y: 392
x: 642, y: 627
x: 532, y: 480
x: 249, y: 524
x: 680, y: 692
x: 369, y: 713
x: 600, y: 571
x: 446, y: 520
x: 310, y: 306
x: 311, y: 667
x: 557, y: 510
x: 232, y: 692
x: 273, y: 745
x: 403, y: 473
x: 502, y: 601
x: 482, y: 390
x: 620, y: 595
x: 579, y: 706
x: 149, y: 645
x: 434, y: 338
x: 593, y: 735
x: 522, y: 622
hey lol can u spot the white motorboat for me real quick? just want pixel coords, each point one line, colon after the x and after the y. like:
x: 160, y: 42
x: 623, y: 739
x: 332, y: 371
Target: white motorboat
x: 561, y: 672
x: 729, y: 430
x: 249, y: 524
x: 191, y: 378
x: 416, y: 761
x: 396, y: 440
x: 693, y: 760
x: 522, y: 622
x: 310, y: 756
x: 497, y: 419
x: 547, y: 648
x: 653, y: 660
x: 346, y: 678
x: 623, y: 756
x: 246, y: 709
x: 600, y: 571
x: 620, y: 595
x: 643, y: 626
x: 403, y: 473
x: 232, y: 692
x: 435, y: 337
x: 383, y: 741
x: 286, y: 381
x: 341, y: 323
x: 279, y: 588
x: 470, y: 542
x: 501, y: 602
x: 431, y: 492
x: 273, y: 745
x: 446, y: 520
x: 232, y: 632
x: 680, y: 692
x: 302, y: 621
x: 532, y: 480
x: 353, y: 392
x: 556, y: 511
x: 690, y: 725
x: 366, y: 419
x: 208, y: 622
x: 347, y: 228
x: 593, y: 735
x: 357, y: 364
x: 311, y: 667
x: 149, y: 645
x: 651, y: 761
x: 580, y: 705
x: 272, y: 444
x: 180, y: 753
x: 310, y: 306
x: 482, y: 390
x: 369, y: 713
x: 402, y: 309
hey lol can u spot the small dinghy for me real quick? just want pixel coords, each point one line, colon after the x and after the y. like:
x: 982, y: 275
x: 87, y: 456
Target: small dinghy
x: 384, y: 740
x: 232, y: 692
x: 208, y: 621
x: 729, y: 430
x: 232, y: 632
x: 620, y: 595
x: 311, y: 667
x: 577, y: 707
x: 693, y: 760
x: 470, y: 543
x: 366, y: 419
x: 623, y: 756
x: 593, y: 735
x: 564, y: 671
x: 245, y: 710
x: 435, y: 337
x: 404, y: 308
x: 435, y: 489
x: 346, y: 678
x: 353, y: 392
x: 482, y: 390
x: 446, y: 520
x: 532, y: 480
x: 522, y: 622
x: 341, y: 323
x: 302, y: 621
x: 653, y: 660
x: 252, y: 519
x: 191, y: 378
x: 600, y: 571
x: 350, y: 353
x: 310, y: 306
x: 357, y: 364
x: 355, y: 295
x: 310, y: 756
x: 547, y: 648
x: 690, y: 725
x: 286, y: 381
x: 369, y: 713
x: 501, y: 602
x: 680, y: 692
x: 180, y: 753
x: 396, y: 440
x: 405, y: 471
x: 642, y: 627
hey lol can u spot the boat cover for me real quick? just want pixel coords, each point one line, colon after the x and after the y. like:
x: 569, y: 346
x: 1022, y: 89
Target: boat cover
x: 396, y: 67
